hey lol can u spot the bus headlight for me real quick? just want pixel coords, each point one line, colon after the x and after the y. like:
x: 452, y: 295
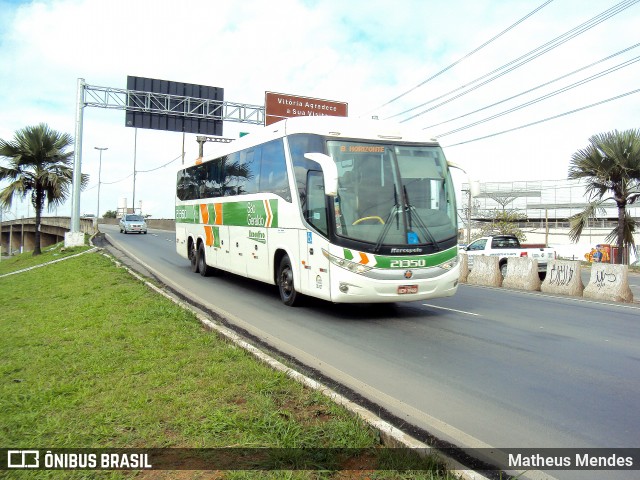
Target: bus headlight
x: 448, y: 265
x: 346, y: 264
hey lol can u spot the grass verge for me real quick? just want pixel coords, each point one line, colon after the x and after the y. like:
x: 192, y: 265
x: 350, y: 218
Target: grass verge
x: 20, y: 261
x: 94, y: 359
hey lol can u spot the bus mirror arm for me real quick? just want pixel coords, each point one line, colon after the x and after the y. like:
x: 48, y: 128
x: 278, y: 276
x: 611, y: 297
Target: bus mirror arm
x: 474, y: 186
x: 329, y: 172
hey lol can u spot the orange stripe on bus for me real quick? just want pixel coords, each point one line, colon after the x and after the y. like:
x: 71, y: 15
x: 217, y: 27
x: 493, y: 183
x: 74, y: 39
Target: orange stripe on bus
x: 267, y: 208
x: 363, y: 258
x: 218, y: 209
x: 208, y: 231
x: 204, y: 213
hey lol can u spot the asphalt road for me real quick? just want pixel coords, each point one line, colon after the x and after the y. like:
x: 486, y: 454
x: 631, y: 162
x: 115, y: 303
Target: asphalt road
x: 487, y: 367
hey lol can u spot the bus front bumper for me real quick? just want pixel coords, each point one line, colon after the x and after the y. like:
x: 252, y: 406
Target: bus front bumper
x: 354, y: 288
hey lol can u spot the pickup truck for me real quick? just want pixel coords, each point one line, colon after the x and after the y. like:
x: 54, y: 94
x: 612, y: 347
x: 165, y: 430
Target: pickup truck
x: 505, y: 246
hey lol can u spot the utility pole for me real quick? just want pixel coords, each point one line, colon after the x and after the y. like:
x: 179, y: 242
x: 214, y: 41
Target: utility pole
x: 100, y: 149
x: 135, y: 152
x: 546, y: 228
x: 469, y: 216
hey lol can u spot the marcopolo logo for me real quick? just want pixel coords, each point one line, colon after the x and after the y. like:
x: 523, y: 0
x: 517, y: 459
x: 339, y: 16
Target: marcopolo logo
x: 23, y: 459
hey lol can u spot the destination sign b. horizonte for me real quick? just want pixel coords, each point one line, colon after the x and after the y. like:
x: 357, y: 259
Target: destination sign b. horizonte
x: 281, y: 105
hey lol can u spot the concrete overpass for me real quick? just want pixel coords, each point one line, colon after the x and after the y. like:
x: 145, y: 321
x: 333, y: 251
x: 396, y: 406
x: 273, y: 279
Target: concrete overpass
x: 20, y: 233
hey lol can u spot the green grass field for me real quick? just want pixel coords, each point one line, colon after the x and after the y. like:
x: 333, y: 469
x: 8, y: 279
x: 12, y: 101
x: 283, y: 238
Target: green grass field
x: 92, y: 358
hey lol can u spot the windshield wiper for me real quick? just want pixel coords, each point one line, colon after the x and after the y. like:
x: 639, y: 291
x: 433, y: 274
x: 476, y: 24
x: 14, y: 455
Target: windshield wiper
x: 395, y: 210
x: 411, y: 209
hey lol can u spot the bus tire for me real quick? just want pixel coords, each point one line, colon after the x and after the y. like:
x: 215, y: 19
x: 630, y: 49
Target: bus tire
x: 193, y: 256
x: 204, y: 269
x: 288, y: 293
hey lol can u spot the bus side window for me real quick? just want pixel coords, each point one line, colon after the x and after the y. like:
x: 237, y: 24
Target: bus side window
x: 250, y: 170
x: 316, y: 212
x: 273, y: 172
x: 232, y: 172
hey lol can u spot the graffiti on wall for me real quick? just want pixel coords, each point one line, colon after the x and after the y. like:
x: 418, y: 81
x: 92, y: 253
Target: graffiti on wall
x: 561, y: 275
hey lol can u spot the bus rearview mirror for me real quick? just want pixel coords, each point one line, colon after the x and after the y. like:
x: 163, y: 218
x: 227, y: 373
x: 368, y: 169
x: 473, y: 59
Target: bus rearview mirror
x: 329, y: 172
x: 474, y: 185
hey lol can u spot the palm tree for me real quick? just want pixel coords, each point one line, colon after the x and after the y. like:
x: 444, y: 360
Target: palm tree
x: 38, y: 165
x: 610, y: 166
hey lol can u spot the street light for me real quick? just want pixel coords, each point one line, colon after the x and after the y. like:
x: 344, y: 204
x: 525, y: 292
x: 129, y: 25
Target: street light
x: 99, y: 173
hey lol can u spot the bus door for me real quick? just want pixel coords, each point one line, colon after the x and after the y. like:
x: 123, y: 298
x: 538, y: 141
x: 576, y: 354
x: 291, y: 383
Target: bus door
x: 238, y: 244
x: 223, y: 254
x: 316, y: 265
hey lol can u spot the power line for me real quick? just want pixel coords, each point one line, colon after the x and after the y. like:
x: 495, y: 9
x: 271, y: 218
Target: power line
x: 546, y: 119
x: 466, y: 56
x: 536, y: 88
x: 161, y: 166
x: 118, y: 181
x: 523, y: 59
x: 137, y: 171
x: 545, y: 97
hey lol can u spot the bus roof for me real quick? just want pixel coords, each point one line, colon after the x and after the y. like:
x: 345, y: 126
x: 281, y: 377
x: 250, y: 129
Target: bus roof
x: 355, y: 128
x: 338, y: 127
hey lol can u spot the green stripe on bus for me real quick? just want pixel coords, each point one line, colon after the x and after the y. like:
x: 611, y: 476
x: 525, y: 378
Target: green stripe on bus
x: 250, y: 214
x: 403, y: 261
x: 188, y: 214
x: 257, y: 213
x: 430, y: 260
x: 216, y: 237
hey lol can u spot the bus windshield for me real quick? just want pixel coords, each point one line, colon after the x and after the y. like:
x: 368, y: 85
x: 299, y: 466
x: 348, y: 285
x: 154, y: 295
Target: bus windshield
x: 393, y: 194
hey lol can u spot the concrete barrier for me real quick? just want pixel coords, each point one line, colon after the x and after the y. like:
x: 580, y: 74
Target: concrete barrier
x: 464, y: 267
x: 563, y: 277
x: 522, y: 273
x: 609, y: 282
x: 485, y: 271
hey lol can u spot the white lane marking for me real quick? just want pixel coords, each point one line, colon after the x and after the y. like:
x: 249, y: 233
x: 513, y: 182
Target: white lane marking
x: 451, y: 309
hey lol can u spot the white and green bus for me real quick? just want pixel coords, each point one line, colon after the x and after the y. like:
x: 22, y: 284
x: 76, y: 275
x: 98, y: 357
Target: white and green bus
x: 345, y: 210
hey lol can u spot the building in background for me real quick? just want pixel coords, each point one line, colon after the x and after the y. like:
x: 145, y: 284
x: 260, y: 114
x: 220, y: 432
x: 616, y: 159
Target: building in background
x: 547, y: 206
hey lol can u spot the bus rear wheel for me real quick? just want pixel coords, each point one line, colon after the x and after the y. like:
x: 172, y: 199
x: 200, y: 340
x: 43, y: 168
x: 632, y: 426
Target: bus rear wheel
x: 193, y: 257
x: 288, y: 293
x: 204, y: 269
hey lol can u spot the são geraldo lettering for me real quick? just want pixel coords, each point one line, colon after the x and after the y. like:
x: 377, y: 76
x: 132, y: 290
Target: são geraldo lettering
x: 254, y: 219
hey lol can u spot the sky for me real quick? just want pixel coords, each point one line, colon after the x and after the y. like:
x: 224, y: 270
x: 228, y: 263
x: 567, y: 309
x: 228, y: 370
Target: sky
x: 403, y: 61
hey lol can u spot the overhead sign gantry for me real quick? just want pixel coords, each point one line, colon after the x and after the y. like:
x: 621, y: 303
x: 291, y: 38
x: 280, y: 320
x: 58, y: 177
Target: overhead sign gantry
x: 175, y: 109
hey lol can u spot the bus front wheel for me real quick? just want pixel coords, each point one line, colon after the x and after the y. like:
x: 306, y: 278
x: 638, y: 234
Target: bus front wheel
x: 288, y: 293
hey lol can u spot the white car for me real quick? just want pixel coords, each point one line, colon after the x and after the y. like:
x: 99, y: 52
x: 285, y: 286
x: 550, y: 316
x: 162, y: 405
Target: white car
x: 133, y: 223
x: 505, y: 246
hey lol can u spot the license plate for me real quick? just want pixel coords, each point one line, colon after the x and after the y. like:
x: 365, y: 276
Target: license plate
x: 405, y: 289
